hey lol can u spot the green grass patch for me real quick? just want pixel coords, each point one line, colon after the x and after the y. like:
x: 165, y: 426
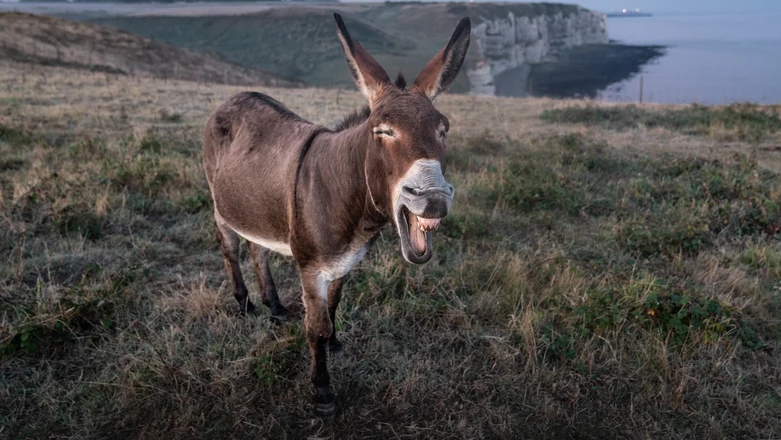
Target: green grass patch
x: 81, y: 221
x: 467, y: 226
x: 684, y: 204
x: 663, y: 206
x: 15, y: 136
x: 84, y: 308
x: 144, y: 175
x: 678, y: 313
x: 569, y: 176
x: 749, y: 122
x: 674, y: 313
x: 761, y: 257
x: 167, y: 116
x: 667, y: 236
x: 12, y: 164
x: 38, y: 332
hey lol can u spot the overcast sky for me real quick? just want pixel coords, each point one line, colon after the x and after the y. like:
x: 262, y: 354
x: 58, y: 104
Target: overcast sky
x: 681, y: 5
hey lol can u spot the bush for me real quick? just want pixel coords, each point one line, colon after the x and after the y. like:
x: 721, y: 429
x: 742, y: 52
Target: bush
x: 648, y: 238
x: 83, y: 222
x: 80, y: 309
x: 678, y: 313
x: 165, y: 116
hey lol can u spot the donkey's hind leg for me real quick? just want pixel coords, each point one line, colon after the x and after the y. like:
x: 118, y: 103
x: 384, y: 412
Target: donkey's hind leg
x: 229, y: 245
x: 268, y: 291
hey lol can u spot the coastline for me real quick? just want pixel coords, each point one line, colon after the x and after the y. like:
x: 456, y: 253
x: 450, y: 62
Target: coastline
x: 584, y: 71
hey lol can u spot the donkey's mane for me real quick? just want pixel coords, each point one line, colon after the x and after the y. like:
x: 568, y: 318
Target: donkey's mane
x: 358, y: 117
x: 354, y: 118
x: 401, y: 82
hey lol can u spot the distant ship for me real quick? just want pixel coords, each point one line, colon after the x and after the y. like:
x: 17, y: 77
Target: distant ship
x: 629, y: 13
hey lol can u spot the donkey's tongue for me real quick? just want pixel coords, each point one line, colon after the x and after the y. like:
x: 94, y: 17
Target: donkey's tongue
x: 417, y: 237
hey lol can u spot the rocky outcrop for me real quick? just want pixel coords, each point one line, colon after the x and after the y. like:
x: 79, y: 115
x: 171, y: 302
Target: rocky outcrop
x: 509, y: 47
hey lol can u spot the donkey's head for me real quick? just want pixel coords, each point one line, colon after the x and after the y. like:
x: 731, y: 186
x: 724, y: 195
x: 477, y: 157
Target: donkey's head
x: 405, y: 165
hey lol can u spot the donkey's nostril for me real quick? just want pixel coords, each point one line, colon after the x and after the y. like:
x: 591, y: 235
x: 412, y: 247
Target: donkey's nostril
x: 410, y: 191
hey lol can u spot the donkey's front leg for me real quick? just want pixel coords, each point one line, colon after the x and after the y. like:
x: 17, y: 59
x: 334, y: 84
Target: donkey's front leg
x: 334, y: 296
x: 318, y: 333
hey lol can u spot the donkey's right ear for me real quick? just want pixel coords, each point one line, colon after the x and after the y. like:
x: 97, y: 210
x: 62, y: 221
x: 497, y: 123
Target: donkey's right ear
x: 369, y: 76
x: 441, y: 71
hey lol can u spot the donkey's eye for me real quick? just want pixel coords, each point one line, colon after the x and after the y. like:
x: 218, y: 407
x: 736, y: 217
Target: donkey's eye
x: 383, y: 131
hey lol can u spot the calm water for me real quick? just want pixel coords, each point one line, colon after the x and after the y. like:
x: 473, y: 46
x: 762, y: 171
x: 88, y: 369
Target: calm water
x: 711, y: 59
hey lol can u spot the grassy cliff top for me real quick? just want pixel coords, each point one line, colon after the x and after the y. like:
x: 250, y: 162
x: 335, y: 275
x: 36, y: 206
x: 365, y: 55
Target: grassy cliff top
x: 607, y: 271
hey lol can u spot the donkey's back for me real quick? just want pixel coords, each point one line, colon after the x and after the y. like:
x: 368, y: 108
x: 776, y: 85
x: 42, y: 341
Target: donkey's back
x: 252, y: 145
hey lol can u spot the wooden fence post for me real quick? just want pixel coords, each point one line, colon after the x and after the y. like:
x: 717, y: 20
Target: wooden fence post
x: 641, y: 90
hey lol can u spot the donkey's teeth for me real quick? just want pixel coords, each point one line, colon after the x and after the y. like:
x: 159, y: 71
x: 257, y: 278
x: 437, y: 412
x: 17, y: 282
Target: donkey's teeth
x: 428, y: 224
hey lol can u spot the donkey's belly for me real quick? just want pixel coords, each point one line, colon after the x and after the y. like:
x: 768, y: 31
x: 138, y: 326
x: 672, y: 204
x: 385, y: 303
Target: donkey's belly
x: 253, y: 201
x: 276, y: 246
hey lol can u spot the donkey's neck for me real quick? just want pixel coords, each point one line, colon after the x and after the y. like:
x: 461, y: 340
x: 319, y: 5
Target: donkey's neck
x: 333, y: 173
x: 339, y: 156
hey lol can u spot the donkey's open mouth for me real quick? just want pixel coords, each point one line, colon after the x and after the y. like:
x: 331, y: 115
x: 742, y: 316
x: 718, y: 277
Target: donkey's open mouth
x: 423, y: 198
x: 415, y: 233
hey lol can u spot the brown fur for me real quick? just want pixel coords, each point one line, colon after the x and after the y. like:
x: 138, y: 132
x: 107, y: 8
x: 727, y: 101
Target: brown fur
x: 284, y: 182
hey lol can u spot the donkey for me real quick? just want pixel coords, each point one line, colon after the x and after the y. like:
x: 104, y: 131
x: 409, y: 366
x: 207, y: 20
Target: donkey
x: 322, y: 196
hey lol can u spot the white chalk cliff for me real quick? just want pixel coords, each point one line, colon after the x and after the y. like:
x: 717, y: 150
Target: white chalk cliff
x: 509, y: 47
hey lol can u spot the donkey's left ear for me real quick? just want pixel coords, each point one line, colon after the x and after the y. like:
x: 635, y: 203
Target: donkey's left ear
x: 442, y: 70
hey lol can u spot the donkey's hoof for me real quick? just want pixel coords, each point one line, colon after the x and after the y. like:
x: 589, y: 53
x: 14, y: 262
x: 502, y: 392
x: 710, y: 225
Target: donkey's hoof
x: 325, y: 402
x: 248, y: 308
x: 325, y: 409
x: 280, y: 313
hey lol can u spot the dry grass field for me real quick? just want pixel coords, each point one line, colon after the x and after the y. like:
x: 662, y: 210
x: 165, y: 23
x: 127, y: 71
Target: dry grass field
x: 606, y: 272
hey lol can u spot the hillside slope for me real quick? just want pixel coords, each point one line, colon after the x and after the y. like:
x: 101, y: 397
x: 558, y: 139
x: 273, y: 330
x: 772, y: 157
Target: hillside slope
x: 292, y: 42
x: 46, y: 40
x: 299, y: 42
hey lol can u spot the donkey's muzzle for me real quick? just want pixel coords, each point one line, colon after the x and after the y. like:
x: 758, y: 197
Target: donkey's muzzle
x: 430, y: 203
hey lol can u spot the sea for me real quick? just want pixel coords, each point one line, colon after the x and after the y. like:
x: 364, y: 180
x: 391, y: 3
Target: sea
x: 711, y: 58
